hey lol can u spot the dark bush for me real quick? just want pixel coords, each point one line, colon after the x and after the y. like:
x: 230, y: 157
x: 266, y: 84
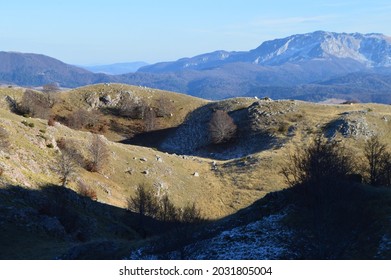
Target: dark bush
x: 378, y: 162
x: 321, y: 161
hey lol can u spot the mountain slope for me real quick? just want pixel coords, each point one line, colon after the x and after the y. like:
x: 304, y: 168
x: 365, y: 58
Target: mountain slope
x: 289, y: 62
x: 297, y: 66
x: 28, y: 69
x: 370, y: 50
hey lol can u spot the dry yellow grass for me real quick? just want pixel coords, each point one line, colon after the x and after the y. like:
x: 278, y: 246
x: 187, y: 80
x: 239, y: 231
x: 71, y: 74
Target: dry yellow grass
x: 234, y: 185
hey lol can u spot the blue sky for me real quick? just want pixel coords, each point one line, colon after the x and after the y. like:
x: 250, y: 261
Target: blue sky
x: 98, y: 32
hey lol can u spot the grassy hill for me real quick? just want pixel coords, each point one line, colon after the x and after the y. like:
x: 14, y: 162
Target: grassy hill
x: 171, y: 154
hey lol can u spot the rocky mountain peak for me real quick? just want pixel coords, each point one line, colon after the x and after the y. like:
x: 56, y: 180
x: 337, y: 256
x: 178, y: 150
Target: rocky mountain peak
x: 372, y: 50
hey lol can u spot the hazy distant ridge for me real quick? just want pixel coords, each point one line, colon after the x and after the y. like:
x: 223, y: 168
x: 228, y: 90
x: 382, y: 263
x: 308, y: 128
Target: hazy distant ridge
x: 306, y: 66
x: 116, y: 68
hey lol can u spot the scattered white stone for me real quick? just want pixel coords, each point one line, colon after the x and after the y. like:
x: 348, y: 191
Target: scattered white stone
x: 143, y: 159
x: 159, y: 159
x: 196, y: 174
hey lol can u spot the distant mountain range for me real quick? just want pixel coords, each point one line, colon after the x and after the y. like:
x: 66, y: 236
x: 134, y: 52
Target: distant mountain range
x: 28, y: 69
x: 116, y: 68
x: 313, y: 66
x: 353, y: 50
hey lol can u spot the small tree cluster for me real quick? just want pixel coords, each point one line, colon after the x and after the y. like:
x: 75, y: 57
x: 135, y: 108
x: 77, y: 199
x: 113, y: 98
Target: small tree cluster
x: 321, y: 161
x: 328, y: 161
x: 221, y: 127
x: 146, y: 203
x: 329, y: 206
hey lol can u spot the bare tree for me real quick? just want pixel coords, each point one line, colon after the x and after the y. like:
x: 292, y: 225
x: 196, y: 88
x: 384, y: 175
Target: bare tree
x: 221, y: 127
x: 99, y: 154
x: 168, y: 212
x: 379, y: 162
x: 66, y: 168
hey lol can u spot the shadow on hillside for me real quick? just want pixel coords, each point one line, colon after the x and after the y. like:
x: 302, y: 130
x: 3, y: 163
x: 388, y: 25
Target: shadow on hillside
x: 193, y: 138
x: 349, y: 221
x: 70, y: 225
x: 151, y: 139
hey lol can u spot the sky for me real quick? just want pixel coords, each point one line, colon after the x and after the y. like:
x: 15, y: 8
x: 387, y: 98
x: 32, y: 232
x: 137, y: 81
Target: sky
x: 93, y: 32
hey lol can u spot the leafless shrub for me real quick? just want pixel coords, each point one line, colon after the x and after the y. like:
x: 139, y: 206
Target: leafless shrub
x: 221, y: 127
x: 68, y: 147
x: 86, y: 191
